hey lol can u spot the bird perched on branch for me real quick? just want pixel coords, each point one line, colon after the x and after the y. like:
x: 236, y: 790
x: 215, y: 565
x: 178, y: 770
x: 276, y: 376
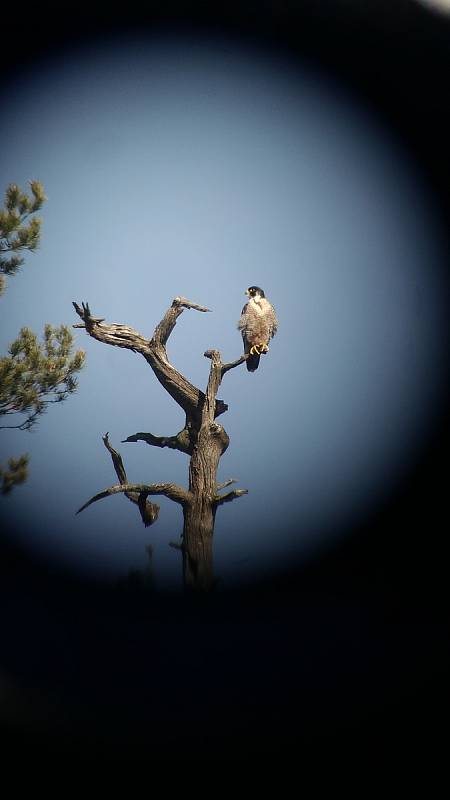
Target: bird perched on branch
x: 258, y: 324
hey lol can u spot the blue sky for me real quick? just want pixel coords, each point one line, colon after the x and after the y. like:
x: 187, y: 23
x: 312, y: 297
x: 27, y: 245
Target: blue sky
x: 198, y: 167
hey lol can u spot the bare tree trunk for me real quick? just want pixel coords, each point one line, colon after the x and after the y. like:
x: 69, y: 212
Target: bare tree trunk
x: 199, y: 516
x: 202, y: 438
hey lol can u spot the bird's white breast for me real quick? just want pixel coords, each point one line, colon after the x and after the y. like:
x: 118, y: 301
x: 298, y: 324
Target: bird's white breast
x: 260, y: 305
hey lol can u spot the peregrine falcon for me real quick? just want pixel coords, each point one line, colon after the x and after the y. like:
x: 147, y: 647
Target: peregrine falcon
x: 258, y: 324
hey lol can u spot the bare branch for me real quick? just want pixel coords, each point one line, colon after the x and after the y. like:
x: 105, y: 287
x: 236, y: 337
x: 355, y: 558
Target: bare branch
x: 176, y: 545
x: 116, y: 459
x: 216, y: 374
x: 180, y: 441
x: 183, y: 392
x: 117, y: 335
x: 85, y: 313
x: 170, y: 490
x: 225, y: 484
x: 149, y: 511
x: 215, y: 377
x: 232, y: 364
x: 168, y: 322
x: 226, y: 498
x: 182, y: 301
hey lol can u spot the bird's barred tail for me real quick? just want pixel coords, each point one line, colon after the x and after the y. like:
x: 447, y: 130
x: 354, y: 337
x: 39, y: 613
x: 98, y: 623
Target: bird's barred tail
x: 252, y: 363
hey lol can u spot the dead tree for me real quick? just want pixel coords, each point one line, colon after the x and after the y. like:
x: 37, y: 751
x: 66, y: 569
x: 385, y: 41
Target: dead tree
x: 203, y: 439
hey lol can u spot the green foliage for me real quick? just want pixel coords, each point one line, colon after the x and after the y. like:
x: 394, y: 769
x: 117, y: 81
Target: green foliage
x: 17, y: 472
x: 19, y: 230
x: 35, y: 374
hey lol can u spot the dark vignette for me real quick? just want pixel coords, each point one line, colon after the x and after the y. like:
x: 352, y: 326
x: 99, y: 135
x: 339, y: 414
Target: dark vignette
x: 348, y: 652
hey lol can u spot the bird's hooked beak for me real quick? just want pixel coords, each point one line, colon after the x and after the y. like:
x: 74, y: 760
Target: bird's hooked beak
x: 247, y: 293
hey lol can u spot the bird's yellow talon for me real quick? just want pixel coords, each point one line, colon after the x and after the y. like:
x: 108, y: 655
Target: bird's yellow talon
x: 258, y: 349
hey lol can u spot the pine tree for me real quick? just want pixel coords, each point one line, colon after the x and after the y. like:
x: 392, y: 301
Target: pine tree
x: 16, y: 233
x: 33, y: 374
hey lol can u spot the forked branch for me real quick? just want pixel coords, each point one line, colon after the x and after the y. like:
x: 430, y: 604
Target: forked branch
x: 216, y: 374
x: 149, y: 511
x: 117, y: 335
x: 171, y: 490
x: 168, y: 322
x: 153, y: 350
x: 229, y: 496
